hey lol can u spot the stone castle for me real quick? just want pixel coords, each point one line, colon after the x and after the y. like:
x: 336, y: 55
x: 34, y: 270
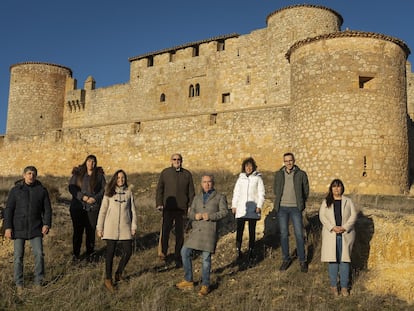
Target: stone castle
x: 342, y: 101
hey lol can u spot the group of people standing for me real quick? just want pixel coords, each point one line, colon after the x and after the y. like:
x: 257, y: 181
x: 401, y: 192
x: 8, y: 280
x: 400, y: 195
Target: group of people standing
x: 107, y: 210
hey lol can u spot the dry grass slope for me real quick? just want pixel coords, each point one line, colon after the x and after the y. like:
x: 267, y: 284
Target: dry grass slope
x: 259, y: 286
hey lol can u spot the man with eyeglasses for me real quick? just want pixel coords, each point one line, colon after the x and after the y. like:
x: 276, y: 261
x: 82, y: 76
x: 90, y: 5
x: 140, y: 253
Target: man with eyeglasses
x: 291, y: 189
x: 175, y: 193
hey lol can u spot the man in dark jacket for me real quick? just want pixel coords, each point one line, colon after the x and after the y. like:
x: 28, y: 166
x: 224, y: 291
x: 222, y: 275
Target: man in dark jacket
x: 175, y: 193
x: 291, y: 189
x: 28, y: 216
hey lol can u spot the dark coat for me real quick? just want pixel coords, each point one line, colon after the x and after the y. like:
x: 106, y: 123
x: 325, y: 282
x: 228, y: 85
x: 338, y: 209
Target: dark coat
x: 27, y: 210
x: 77, y: 191
x: 300, y: 183
x: 175, y: 189
x: 204, y: 233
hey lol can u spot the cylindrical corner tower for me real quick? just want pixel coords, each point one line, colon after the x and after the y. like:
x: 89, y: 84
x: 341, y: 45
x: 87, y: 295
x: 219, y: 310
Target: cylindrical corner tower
x: 349, y: 114
x: 36, y: 97
x: 284, y: 28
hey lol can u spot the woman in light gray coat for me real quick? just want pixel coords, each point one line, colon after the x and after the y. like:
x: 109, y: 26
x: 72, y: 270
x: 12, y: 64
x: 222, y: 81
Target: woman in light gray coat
x: 206, y: 210
x: 337, y: 215
x: 117, y: 223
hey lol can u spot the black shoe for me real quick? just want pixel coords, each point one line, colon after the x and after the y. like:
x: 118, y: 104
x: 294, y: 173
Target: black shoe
x: 178, y: 264
x: 252, y: 256
x: 285, y: 265
x: 304, y: 267
x: 239, y: 255
x: 75, y: 259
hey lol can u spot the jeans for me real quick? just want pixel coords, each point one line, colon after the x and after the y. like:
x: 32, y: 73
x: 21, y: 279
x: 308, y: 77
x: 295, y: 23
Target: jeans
x: 186, y: 255
x: 39, y: 266
x: 296, y: 216
x: 339, y: 266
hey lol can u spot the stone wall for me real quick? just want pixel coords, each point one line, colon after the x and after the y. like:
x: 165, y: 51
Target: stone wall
x: 339, y: 112
x: 250, y: 101
x: 206, y: 142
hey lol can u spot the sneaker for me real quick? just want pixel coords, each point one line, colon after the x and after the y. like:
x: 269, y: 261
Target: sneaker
x: 185, y: 285
x: 304, y: 267
x: 285, y: 265
x: 334, y: 291
x: 344, y: 292
x: 204, y: 290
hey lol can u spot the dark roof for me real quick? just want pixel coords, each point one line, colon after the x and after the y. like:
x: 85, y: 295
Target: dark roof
x: 348, y: 33
x: 341, y: 20
x: 183, y: 46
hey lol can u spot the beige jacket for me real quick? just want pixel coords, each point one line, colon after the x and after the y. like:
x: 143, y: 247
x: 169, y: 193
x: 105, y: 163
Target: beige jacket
x: 117, y: 216
x: 327, y: 217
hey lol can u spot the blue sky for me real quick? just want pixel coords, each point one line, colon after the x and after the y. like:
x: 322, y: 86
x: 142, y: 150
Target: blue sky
x: 97, y: 37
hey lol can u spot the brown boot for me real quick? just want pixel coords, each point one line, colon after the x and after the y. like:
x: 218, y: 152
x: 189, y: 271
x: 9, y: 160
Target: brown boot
x: 109, y: 286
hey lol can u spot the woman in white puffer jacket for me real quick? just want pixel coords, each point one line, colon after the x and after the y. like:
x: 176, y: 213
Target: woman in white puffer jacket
x: 247, y: 202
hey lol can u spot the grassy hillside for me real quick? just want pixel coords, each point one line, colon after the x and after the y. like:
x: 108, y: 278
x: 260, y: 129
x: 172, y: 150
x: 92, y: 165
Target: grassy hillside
x: 150, y: 286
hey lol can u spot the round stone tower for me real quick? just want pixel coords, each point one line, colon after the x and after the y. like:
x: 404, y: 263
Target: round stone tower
x: 284, y: 28
x: 36, y: 97
x: 349, y: 113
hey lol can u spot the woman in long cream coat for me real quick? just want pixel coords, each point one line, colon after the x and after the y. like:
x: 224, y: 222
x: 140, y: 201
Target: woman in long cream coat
x: 117, y: 223
x: 337, y: 215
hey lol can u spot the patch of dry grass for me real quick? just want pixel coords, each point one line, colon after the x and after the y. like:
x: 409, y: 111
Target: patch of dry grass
x: 234, y: 287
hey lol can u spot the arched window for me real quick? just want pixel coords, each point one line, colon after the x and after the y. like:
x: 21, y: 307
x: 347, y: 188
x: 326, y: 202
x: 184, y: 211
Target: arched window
x: 191, y: 91
x: 197, y: 90
x: 162, y: 98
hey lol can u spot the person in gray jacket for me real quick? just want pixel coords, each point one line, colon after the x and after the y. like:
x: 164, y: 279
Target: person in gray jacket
x: 207, y: 209
x: 291, y: 189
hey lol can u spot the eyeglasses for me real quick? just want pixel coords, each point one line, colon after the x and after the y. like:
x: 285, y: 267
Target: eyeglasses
x: 176, y: 159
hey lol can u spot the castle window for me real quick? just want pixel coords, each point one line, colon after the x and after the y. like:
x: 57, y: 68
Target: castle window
x: 191, y: 91
x: 162, y: 98
x: 58, y: 136
x: 172, y: 56
x: 196, y: 50
x: 225, y: 98
x: 220, y: 45
x: 197, y: 90
x: 365, y: 82
x: 213, y: 118
x: 150, y: 61
x: 136, y: 128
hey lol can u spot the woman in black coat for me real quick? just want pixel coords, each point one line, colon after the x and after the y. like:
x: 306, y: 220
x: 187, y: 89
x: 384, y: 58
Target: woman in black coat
x: 87, y: 186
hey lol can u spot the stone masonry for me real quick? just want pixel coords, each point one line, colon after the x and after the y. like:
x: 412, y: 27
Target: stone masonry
x: 342, y: 101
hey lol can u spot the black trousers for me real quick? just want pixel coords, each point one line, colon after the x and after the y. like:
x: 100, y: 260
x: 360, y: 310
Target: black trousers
x: 240, y: 229
x: 169, y: 219
x: 83, y: 221
x: 126, y: 249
